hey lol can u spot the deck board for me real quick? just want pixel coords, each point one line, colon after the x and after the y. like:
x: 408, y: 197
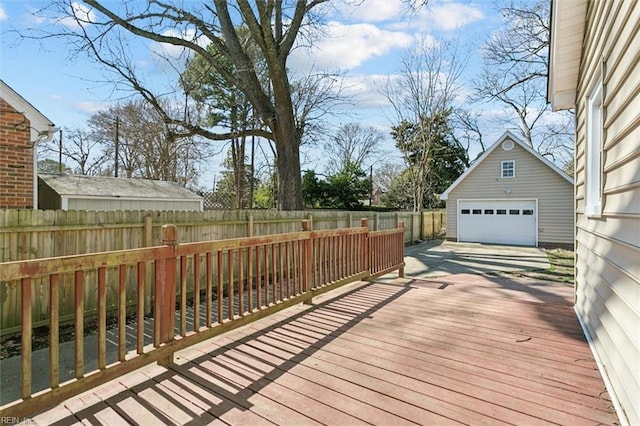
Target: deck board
x: 464, y: 349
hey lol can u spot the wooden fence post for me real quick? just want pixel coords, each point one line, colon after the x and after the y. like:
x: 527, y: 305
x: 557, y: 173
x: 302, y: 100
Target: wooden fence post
x: 307, y: 256
x: 364, y: 223
x: 250, y: 225
x: 401, y: 248
x: 166, y: 291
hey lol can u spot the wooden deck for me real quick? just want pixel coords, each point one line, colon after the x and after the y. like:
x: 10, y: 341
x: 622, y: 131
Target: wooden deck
x: 465, y: 349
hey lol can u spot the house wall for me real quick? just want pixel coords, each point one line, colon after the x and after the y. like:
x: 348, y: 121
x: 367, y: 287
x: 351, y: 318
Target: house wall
x: 608, y: 247
x: 16, y: 159
x: 116, y: 204
x: 533, y: 180
x: 48, y: 199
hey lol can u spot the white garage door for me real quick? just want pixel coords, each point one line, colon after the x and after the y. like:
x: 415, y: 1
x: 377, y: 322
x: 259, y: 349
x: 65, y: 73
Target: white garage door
x: 498, y: 222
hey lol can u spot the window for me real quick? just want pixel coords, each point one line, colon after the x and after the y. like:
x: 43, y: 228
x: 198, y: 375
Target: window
x: 514, y: 211
x: 527, y: 212
x: 501, y: 211
x: 593, y: 162
x: 477, y: 211
x: 465, y: 211
x: 488, y: 211
x: 508, y: 169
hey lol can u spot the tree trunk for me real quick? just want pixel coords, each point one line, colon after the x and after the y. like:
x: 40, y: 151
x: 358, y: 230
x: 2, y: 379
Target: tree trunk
x: 289, y: 180
x: 287, y: 141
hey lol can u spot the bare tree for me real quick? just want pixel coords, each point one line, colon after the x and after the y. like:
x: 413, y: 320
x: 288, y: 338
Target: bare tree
x: 421, y: 95
x: 467, y: 123
x: 84, y: 153
x: 274, y: 27
x: 353, y: 144
x: 515, y: 75
x: 147, y: 146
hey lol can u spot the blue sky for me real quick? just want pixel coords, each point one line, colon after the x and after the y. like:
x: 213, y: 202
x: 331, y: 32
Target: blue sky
x: 365, y: 42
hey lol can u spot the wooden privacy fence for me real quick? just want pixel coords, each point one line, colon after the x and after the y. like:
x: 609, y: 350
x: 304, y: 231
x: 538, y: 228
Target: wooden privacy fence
x: 234, y: 282
x: 38, y: 234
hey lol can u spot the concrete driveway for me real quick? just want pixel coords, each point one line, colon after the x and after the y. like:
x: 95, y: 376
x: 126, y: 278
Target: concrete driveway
x: 440, y: 258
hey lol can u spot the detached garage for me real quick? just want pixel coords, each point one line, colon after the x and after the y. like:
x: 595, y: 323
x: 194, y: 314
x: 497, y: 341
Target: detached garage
x: 511, y: 195
x: 101, y: 193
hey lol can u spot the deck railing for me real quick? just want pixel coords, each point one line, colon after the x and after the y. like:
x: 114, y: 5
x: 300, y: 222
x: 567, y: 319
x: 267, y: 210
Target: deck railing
x: 199, y: 290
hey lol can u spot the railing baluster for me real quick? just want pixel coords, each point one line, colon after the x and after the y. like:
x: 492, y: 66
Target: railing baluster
x: 230, y: 292
x: 54, y: 330
x: 273, y: 273
x: 250, y: 277
x: 102, y: 318
x: 196, y: 292
x: 287, y: 263
x: 157, y: 301
x: 209, y: 280
x: 79, y: 323
x: 140, y: 284
x: 259, y: 261
x: 281, y: 265
x: 300, y: 267
x: 220, y: 291
x: 295, y: 257
x: 241, y: 282
x: 183, y: 296
x: 122, y: 312
x: 26, y: 337
x: 323, y: 260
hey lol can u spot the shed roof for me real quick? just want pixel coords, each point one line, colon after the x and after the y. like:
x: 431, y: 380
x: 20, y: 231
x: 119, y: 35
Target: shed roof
x: 487, y: 153
x: 76, y: 186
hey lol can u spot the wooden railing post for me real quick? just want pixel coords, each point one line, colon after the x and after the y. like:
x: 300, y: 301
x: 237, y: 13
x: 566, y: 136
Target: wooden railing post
x: 366, y: 258
x: 401, y: 249
x: 148, y: 242
x: 166, y: 292
x: 307, y: 256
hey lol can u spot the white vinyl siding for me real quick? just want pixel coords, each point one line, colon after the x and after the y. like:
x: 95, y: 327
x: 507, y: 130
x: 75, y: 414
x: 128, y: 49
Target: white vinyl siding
x: 132, y: 204
x: 534, y: 180
x: 608, y: 247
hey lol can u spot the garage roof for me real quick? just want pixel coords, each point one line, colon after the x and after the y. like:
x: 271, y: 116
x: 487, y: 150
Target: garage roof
x: 487, y: 153
x: 76, y: 186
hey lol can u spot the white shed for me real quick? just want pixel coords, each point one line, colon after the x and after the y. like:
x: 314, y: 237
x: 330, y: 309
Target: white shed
x: 78, y: 192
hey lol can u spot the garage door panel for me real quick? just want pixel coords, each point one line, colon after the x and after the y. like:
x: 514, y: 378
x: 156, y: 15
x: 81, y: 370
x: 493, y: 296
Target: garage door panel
x: 498, y: 221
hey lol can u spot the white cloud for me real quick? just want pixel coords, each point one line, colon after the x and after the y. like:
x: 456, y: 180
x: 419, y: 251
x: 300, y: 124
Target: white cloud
x: 82, y: 14
x: 89, y: 107
x: 371, y: 10
x: 347, y: 47
x: 441, y: 15
x: 365, y: 90
x: 3, y: 14
x: 167, y: 50
x: 453, y: 16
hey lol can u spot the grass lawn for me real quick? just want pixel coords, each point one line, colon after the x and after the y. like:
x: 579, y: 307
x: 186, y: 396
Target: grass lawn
x: 561, y: 270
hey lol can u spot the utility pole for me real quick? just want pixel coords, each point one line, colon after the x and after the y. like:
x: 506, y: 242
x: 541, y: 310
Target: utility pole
x: 60, y: 154
x: 115, y: 172
x: 370, y: 186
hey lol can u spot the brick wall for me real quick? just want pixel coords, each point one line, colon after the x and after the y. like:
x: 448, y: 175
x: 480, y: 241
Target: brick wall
x: 16, y: 159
